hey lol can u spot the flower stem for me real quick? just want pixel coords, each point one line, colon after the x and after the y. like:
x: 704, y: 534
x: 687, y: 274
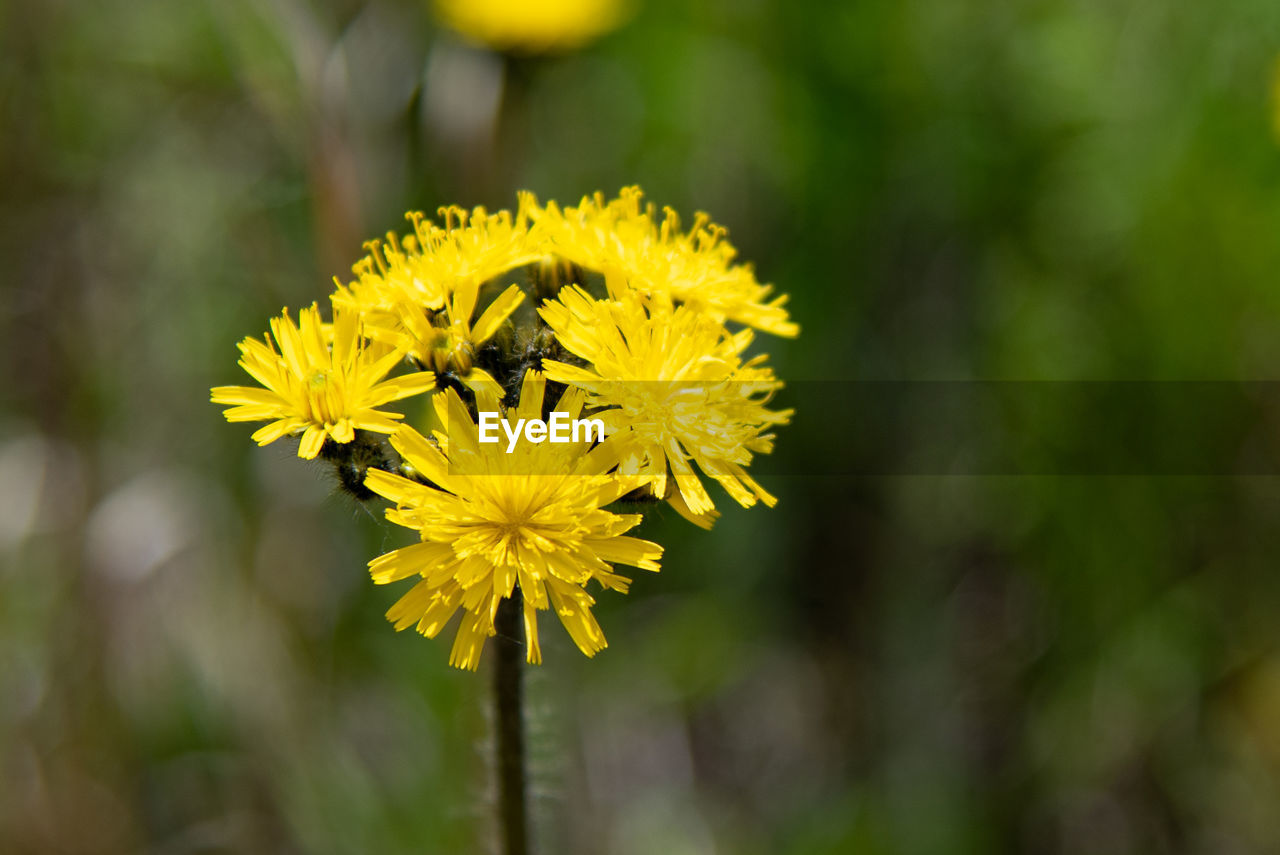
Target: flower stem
x: 508, y: 676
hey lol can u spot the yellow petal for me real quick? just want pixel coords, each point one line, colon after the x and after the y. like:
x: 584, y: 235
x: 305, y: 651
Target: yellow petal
x: 286, y: 335
x: 397, y: 489
x: 270, y: 433
x: 408, y: 609
x: 534, y: 650
x: 474, y: 630
x: 343, y: 431
x: 346, y: 324
x: 439, y: 610
x: 488, y: 391
x: 464, y: 300
x: 313, y: 339
x: 417, y: 559
x: 400, y: 387
x: 246, y: 395
x: 497, y: 312
x: 378, y: 422
x: 312, y: 441
x: 702, y: 520
x: 627, y: 550
x: 532, y: 390
x: 420, y: 453
x: 572, y: 606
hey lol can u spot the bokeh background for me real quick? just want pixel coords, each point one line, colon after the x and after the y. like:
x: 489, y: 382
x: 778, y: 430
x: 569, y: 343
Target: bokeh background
x: 903, y: 657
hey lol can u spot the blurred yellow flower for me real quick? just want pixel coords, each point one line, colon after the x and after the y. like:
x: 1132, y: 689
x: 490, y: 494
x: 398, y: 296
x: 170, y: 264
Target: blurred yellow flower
x: 322, y: 382
x: 695, y: 268
x: 677, y: 388
x: 489, y: 520
x: 532, y: 26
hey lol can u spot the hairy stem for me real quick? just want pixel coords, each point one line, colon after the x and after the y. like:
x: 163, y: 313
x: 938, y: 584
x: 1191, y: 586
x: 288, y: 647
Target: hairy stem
x: 508, y: 675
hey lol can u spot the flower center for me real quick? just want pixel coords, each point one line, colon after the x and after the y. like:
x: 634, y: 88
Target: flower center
x: 451, y: 349
x: 324, y: 398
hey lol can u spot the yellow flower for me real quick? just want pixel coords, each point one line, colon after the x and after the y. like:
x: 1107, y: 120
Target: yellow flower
x: 694, y: 268
x: 321, y: 383
x: 678, y: 388
x: 419, y: 293
x: 490, y: 520
x: 447, y: 340
x: 429, y: 266
x: 532, y: 26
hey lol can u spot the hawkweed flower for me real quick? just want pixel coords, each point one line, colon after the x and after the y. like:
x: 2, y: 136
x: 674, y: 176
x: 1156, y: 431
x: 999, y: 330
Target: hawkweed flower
x: 694, y: 268
x: 322, y: 382
x: 532, y: 26
x: 419, y: 292
x: 447, y: 340
x: 675, y: 389
x: 427, y: 267
x: 490, y: 520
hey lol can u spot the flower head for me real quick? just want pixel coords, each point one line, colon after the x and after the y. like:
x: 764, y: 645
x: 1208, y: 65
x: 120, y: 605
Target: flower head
x: 532, y: 26
x: 695, y: 268
x: 419, y: 293
x: 322, y: 382
x: 429, y: 266
x: 677, y: 391
x: 447, y: 340
x: 489, y: 520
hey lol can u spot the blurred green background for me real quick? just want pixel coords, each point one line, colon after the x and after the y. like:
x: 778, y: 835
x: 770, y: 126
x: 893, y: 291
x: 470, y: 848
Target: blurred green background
x: 192, y: 656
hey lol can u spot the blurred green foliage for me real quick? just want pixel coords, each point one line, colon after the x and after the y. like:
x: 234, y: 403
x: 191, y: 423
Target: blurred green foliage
x: 192, y: 657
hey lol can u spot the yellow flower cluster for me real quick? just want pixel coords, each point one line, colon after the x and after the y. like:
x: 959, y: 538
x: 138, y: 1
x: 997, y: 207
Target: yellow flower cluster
x: 631, y: 328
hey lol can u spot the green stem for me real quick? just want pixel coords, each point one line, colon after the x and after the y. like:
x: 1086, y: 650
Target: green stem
x: 508, y: 676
